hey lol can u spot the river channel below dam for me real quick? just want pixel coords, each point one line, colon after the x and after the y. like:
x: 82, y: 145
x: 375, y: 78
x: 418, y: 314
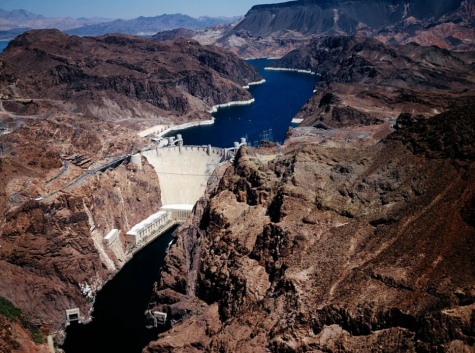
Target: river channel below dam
x: 119, y: 323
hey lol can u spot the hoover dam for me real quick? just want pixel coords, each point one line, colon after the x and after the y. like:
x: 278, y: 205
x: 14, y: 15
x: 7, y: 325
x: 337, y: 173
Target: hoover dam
x: 184, y: 171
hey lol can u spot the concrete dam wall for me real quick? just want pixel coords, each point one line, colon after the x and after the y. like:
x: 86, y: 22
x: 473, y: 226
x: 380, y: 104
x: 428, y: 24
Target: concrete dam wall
x: 184, y: 171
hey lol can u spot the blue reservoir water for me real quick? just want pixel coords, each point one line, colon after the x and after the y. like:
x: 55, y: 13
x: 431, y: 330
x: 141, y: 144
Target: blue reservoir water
x: 3, y: 45
x: 278, y: 100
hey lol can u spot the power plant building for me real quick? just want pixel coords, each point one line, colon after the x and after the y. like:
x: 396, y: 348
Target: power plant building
x: 112, y: 237
x: 153, y: 224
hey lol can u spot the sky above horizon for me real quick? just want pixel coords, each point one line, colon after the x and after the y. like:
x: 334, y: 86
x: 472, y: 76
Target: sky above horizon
x: 130, y: 9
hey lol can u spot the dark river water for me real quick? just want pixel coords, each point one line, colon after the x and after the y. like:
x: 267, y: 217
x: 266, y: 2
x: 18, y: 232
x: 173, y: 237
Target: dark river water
x: 119, y: 323
x: 278, y: 100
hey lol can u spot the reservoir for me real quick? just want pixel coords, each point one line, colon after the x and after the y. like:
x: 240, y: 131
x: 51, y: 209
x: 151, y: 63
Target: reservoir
x: 278, y: 100
x: 3, y: 45
x: 119, y: 323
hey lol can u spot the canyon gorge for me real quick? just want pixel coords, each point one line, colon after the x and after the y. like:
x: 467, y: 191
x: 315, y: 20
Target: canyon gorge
x: 354, y: 233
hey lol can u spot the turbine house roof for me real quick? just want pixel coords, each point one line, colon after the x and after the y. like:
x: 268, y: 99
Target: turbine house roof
x: 146, y: 222
x: 111, y: 234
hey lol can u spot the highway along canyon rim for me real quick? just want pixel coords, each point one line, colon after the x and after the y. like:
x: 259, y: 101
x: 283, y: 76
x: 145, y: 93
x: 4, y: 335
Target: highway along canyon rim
x: 277, y: 101
x: 119, y: 308
x: 119, y: 323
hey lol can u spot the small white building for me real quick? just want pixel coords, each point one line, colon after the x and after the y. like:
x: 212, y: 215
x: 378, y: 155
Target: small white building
x: 73, y: 315
x: 159, y: 318
x: 153, y: 224
x: 111, y: 238
x: 179, y: 212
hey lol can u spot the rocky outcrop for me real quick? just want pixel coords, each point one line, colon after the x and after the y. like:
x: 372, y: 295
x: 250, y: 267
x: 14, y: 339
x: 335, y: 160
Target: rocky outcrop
x: 52, y: 253
x: 173, y: 34
x: 7, y: 341
x: 364, y: 82
x: 333, y: 249
x: 120, y: 77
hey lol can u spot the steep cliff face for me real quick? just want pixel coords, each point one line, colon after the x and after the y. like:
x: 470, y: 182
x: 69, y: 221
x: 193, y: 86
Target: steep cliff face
x: 119, y: 77
x: 333, y: 249
x: 364, y: 82
x: 52, y: 253
x: 320, y: 16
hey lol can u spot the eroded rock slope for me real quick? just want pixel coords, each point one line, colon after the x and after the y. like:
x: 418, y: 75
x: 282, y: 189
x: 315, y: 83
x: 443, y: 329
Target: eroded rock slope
x: 273, y: 30
x: 332, y: 249
x: 120, y: 77
x: 367, y: 83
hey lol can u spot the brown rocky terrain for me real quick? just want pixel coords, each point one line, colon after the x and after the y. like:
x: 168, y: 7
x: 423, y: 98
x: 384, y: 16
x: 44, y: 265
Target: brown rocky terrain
x: 52, y: 254
x: 121, y: 77
x: 366, y: 83
x: 332, y: 249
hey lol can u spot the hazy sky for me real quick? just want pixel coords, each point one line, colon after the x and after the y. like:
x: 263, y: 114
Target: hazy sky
x: 132, y: 8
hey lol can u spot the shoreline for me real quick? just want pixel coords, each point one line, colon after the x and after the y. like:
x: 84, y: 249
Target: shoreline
x: 254, y: 84
x: 215, y: 108
x: 186, y: 126
x: 294, y: 70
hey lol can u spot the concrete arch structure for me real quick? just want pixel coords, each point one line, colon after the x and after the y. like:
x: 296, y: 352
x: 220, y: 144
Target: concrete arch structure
x: 184, y: 171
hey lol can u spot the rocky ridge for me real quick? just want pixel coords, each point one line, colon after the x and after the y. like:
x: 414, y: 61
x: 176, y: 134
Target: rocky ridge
x: 150, y: 25
x: 365, y: 82
x: 332, y: 249
x: 17, y: 19
x: 120, y: 77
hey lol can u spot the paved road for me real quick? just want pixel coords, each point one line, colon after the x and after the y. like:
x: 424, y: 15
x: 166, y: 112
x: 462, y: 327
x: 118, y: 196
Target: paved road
x: 113, y: 164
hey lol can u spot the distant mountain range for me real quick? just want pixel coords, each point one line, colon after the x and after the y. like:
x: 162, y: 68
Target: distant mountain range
x: 151, y: 25
x: 12, y: 20
x: 13, y: 23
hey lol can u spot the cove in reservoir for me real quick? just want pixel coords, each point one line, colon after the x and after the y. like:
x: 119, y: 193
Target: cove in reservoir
x: 119, y: 323
x: 278, y: 100
x: 3, y: 45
